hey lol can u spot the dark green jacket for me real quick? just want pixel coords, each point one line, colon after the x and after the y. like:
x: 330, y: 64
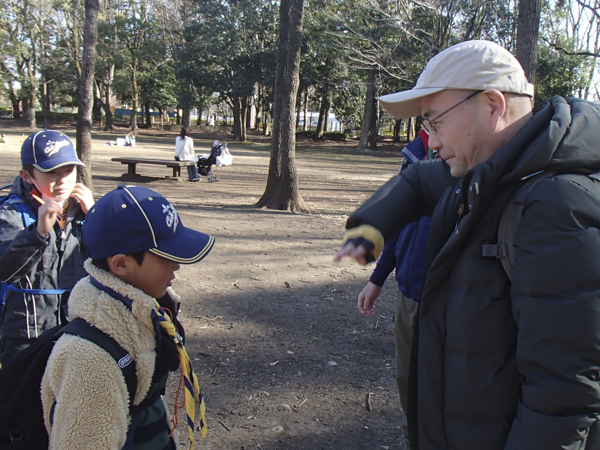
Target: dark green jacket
x: 504, y: 365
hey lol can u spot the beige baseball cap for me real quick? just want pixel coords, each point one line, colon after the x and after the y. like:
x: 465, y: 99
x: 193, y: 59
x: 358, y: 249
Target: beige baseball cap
x: 470, y: 65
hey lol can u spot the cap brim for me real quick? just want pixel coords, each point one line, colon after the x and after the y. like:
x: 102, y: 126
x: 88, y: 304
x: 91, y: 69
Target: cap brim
x: 406, y: 104
x: 57, y: 164
x: 188, y: 247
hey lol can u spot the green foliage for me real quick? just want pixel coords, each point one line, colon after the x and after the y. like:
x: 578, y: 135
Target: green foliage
x: 334, y: 136
x: 159, y: 87
x: 56, y: 117
x: 185, y: 52
x: 305, y: 134
x: 230, y: 46
x: 558, y: 74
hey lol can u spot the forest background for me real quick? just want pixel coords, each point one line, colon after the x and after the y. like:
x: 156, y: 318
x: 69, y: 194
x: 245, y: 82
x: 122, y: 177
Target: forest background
x: 160, y: 55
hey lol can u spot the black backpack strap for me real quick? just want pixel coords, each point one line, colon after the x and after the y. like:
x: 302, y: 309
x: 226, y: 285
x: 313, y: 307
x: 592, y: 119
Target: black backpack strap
x: 509, y: 222
x: 79, y: 327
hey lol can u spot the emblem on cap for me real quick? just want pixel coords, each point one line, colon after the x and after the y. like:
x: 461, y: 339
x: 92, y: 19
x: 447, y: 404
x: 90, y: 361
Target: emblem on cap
x: 53, y: 147
x: 171, y: 216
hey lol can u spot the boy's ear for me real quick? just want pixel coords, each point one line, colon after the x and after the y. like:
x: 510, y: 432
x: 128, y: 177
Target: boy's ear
x: 118, y: 264
x: 25, y: 176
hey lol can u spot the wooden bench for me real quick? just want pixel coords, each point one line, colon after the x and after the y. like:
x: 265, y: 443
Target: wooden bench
x: 132, y: 162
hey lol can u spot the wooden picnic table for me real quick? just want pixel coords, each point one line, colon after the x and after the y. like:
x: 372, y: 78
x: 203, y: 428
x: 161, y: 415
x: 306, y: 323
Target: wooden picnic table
x: 133, y: 162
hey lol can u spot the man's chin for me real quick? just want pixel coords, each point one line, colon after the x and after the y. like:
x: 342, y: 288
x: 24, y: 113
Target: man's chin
x: 457, y: 172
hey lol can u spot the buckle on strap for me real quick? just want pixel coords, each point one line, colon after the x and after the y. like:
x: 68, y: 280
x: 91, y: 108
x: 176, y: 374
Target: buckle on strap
x: 493, y: 250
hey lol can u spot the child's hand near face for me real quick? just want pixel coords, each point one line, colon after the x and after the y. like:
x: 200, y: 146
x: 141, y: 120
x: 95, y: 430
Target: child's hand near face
x: 83, y: 196
x: 47, y: 215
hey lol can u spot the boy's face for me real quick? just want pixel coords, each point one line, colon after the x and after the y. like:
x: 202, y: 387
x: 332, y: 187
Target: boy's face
x: 153, y: 276
x: 57, y: 184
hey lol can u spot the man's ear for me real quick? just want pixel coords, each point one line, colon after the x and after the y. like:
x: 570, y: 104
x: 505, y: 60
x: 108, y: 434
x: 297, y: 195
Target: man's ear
x: 497, y: 104
x: 25, y: 176
x: 118, y: 264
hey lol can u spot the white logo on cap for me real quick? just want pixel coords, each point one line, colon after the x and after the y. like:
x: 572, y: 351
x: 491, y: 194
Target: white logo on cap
x: 53, y: 147
x: 171, y: 215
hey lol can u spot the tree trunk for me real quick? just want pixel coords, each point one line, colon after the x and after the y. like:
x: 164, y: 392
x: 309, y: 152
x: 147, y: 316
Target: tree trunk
x: 16, y: 106
x: 411, y: 132
x: 134, y: 96
x: 30, y: 110
x: 148, y: 115
x: 323, y: 116
x: 142, y: 114
x: 108, y: 114
x: 369, y: 111
x: 237, y: 121
x: 240, y: 110
x: 257, y: 108
x: 374, y: 127
x: 397, y: 131
x: 45, y: 97
x: 281, y: 191
x: 25, y: 104
x: 97, y: 109
x: 185, y: 119
x: 109, y: 118
x: 265, y: 125
x: 86, y: 92
x: 528, y: 25
x: 243, y: 117
x: 305, y: 125
x: 298, y: 108
x: 248, y: 115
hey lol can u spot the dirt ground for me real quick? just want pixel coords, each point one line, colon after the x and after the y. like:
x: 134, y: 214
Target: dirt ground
x: 284, y: 358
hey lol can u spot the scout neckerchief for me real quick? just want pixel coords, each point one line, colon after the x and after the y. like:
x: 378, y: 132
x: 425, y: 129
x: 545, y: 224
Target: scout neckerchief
x: 62, y: 218
x: 191, y: 388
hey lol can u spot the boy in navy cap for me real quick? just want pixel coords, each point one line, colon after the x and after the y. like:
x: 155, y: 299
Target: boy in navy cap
x: 41, y: 257
x: 136, y: 242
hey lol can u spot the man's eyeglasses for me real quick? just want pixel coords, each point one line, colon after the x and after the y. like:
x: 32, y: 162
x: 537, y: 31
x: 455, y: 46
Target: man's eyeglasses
x: 428, y: 126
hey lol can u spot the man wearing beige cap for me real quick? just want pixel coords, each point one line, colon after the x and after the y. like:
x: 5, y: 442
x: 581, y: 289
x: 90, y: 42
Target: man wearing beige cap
x: 499, y: 362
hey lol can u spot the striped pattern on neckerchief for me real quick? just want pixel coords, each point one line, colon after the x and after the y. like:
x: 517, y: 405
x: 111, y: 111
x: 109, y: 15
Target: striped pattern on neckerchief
x: 191, y: 388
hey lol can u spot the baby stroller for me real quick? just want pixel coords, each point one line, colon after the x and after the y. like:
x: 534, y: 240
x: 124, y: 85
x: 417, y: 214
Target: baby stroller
x: 205, y: 162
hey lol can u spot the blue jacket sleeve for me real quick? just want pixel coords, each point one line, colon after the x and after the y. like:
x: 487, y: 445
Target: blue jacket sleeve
x: 386, y: 262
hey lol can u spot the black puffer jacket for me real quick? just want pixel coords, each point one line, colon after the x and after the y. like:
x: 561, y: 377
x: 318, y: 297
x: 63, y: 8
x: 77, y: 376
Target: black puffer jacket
x: 500, y: 365
x: 29, y: 260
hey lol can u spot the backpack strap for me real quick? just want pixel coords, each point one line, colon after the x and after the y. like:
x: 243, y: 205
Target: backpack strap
x: 79, y: 327
x: 509, y: 222
x: 28, y: 215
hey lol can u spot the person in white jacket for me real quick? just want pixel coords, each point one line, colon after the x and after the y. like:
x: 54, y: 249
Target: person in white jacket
x: 184, y: 151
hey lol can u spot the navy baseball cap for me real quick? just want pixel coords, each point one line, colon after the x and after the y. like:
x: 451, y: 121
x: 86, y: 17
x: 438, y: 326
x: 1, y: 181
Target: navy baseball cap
x: 47, y: 150
x: 133, y: 219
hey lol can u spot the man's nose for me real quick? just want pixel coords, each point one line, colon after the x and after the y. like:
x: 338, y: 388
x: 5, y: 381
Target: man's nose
x: 434, y: 142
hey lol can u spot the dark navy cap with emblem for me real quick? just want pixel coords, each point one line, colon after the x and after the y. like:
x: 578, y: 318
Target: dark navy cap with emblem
x: 132, y: 219
x: 47, y: 150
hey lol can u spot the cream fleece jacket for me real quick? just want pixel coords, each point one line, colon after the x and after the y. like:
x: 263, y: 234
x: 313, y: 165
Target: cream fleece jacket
x: 92, y: 402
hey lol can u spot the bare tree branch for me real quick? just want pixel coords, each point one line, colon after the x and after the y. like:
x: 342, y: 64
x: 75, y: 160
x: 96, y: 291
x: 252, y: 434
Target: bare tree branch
x: 563, y: 50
